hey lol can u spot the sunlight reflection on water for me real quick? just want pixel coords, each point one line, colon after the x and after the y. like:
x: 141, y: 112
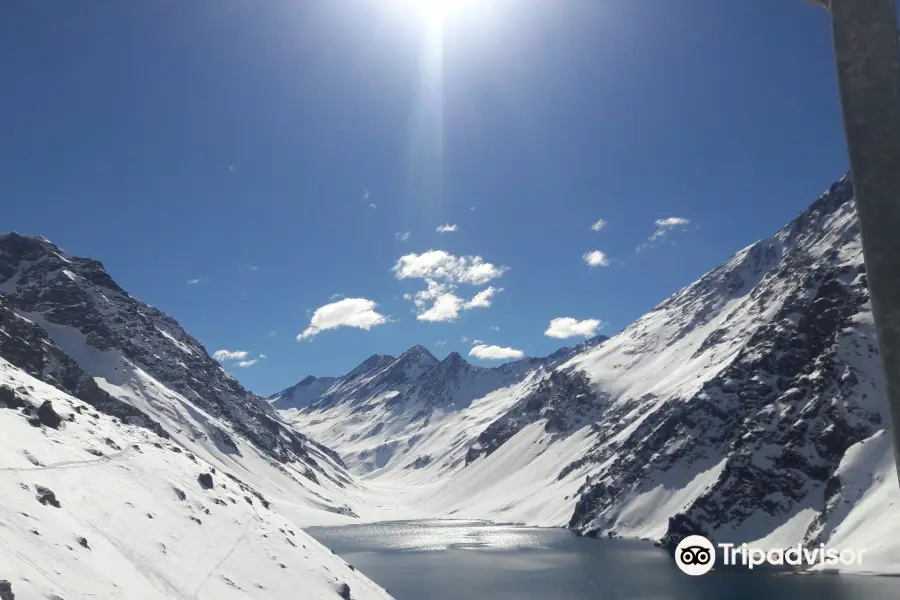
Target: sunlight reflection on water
x: 449, y: 535
x: 474, y: 560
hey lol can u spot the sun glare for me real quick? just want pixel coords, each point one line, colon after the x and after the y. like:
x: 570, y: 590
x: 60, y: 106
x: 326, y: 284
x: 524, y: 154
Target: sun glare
x: 437, y: 10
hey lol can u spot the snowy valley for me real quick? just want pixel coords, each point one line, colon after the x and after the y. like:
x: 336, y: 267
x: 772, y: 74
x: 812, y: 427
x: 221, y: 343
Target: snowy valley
x: 747, y: 407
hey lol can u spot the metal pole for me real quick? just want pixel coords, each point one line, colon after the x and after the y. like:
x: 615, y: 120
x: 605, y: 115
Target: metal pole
x: 868, y: 66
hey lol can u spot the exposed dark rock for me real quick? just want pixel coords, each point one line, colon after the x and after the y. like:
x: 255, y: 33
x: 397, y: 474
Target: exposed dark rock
x: 420, y: 462
x: 32, y: 459
x: 82, y: 541
x: 565, y: 401
x: 48, y: 416
x: 46, y: 496
x: 344, y: 591
x: 9, y: 398
x: 6, y: 592
x: 206, y: 481
x: 27, y: 347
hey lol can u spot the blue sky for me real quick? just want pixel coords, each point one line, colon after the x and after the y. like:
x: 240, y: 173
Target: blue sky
x: 273, y: 150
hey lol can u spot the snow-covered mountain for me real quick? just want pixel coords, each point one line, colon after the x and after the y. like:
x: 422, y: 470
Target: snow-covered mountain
x: 377, y: 412
x: 134, y: 466
x: 748, y: 407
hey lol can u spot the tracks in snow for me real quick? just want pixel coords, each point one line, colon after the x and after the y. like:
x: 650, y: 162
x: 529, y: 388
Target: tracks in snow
x: 224, y: 558
x: 72, y: 464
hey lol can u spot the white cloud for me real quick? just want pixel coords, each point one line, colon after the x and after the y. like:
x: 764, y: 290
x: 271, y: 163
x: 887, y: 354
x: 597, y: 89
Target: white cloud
x: 663, y: 226
x: 598, y: 225
x: 336, y: 296
x: 495, y: 352
x: 440, y: 304
x: 441, y: 343
x: 494, y: 328
x: 672, y: 222
x: 448, y: 228
x: 596, y: 259
x: 273, y: 333
x: 372, y: 206
x: 473, y: 208
x: 423, y: 299
x: 445, y: 309
x: 463, y: 339
x: 230, y: 355
x: 194, y: 281
x: 402, y: 236
x: 241, y: 356
x: 365, y: 194
x: 441, y: 265
x: 349, y: 312
x: 477, y: 342
x: 263, y: 357
x: 567, y: 327
x: 483, y: 298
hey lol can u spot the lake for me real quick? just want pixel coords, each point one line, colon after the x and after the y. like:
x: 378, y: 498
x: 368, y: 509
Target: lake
x: 466, y: 560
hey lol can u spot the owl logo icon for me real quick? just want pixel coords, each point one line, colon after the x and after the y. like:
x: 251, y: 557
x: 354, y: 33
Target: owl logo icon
x: 695, y: 555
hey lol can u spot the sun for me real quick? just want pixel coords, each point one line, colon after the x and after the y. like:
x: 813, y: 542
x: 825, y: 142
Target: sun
x: 437, y: 10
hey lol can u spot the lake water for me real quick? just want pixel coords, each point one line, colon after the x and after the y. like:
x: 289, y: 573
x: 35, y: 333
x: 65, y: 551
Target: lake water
x: 456, y: 560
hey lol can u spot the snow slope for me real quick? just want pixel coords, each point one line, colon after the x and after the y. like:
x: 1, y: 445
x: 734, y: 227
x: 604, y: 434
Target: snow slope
x: 133, y: 521
x: 129, y: 374
x: 747, y: 407
x: 141, y: 358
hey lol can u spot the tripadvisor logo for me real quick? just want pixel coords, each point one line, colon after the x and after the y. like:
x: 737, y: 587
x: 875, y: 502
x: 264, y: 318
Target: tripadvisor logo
x: 696, y: 555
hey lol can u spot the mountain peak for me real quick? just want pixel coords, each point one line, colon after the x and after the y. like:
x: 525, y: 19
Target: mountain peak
x: 18, y: 246
x: 419, y: 353
x: 376, y: 359
x: 454, y: 359
x: 24, y: 236
x: 373, y: 363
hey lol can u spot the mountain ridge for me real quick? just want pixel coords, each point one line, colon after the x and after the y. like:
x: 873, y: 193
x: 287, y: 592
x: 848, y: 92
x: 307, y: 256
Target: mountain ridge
x: 85, y: 311
x: 309, y: 389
